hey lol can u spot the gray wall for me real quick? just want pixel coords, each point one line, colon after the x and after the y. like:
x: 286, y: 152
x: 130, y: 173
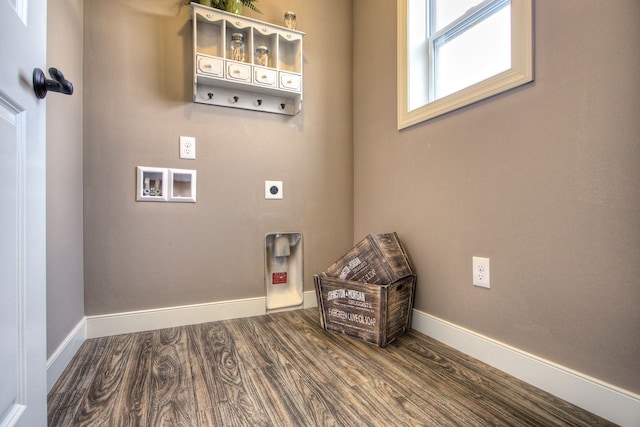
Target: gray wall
x: 137, y: 102
x: 544, y: 180
x: 65, y: 282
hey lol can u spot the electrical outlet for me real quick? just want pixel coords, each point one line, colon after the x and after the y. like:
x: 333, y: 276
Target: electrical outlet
x: 273, y: 190
x: 481, y: 272
x: 187, y: 147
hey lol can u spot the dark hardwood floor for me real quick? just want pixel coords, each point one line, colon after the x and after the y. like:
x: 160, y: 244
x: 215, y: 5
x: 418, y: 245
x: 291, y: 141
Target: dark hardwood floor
x: 283, y: 370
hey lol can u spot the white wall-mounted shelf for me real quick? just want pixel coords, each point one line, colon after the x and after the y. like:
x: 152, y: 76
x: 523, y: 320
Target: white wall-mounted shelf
x: 219, y: 80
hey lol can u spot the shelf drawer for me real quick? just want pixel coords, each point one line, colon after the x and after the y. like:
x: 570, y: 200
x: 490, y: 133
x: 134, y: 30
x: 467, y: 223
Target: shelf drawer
x: 238, y: 72
x: 264, y: 76
x: 290, y: 81
x: 209, y: 66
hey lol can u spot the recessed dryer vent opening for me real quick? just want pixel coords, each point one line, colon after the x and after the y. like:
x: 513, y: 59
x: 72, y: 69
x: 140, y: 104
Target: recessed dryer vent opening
x: 283, y: 271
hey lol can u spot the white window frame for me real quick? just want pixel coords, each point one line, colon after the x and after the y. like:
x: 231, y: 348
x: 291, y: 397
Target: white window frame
x: 521, y: 70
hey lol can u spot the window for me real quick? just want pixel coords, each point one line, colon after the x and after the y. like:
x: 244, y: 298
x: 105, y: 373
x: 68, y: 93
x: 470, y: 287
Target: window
x: 454, y: 53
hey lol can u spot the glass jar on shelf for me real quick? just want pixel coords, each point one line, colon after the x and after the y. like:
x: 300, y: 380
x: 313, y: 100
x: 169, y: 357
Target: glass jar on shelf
x: 290, y: 20
x: 237, y: 47
x: 262, y: 56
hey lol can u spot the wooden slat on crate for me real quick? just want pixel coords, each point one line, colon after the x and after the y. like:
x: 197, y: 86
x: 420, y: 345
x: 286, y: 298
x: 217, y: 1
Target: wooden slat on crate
x: 378, y: 258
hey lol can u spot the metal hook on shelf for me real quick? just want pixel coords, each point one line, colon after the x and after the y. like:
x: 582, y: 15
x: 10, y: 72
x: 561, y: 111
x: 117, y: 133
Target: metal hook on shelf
x: 210, y: 95
x: 235, y: 99
x: 259, y: 101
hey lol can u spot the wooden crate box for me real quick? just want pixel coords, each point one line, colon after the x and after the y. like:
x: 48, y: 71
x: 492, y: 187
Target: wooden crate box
x: 378, y: 258
x: 374, y: 313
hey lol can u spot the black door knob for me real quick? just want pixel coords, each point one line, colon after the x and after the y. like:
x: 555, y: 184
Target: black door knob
x: 57, y: 83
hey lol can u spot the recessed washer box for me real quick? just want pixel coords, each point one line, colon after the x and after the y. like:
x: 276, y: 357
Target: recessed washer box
x: 151, y: 184
x: 182, y: 185
x: 273, y: 190
x: 165, y: 185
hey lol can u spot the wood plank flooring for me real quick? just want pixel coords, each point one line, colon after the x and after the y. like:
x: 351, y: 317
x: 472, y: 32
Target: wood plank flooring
x: 283, y: 370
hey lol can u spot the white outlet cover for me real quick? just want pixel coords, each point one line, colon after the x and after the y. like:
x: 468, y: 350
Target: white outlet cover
x: 481, y: 272
x: 188, y: 147
x: 273, y: 190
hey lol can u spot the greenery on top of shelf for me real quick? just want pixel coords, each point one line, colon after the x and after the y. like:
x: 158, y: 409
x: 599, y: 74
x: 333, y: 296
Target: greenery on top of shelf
x: 222, y: 4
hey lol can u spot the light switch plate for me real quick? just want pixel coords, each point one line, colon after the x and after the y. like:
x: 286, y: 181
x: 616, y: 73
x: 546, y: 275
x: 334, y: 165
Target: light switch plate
x: 273, y: 190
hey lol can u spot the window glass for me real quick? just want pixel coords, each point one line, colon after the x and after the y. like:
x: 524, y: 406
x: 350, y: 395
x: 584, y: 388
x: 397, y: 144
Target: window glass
x: 474, y: 55
x: 447, y: 11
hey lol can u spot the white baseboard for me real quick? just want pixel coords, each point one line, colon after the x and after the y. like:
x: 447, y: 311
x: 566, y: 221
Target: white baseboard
x: 169, y: 317
x: 310, y: 299
x: 608, y: 401
x: 64, y: 353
